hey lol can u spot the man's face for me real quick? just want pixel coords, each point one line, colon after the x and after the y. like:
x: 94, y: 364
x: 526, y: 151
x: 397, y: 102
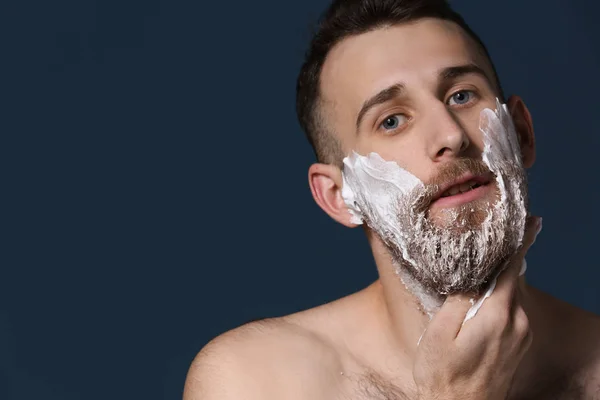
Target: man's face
x: 431, y: 113
x: 413, y: 94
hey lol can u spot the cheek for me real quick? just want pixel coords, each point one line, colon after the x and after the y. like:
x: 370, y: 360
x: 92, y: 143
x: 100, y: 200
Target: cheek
x: 475, y: 136
x: 470, y: 123
x: 405, y: 151
x: 476, y: 143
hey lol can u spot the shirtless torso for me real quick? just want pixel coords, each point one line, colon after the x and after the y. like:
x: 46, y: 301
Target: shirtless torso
x: 402, y: 105
x: 337, y: 352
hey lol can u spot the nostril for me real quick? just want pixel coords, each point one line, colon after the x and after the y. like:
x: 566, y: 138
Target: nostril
x: 442, y: 151
x: 465, y: 144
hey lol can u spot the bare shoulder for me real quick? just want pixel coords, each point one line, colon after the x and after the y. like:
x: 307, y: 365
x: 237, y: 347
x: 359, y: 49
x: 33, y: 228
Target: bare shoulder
x: 582, y: 341
x: 272, y: 358
x: 593, y: 377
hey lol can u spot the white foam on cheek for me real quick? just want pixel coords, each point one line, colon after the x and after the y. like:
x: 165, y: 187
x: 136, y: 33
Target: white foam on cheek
x: 500, y: 143
x: 383, y: 181
x: 376, y: 176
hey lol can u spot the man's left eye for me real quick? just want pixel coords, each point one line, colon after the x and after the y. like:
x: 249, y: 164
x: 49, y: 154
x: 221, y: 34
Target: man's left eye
x: 461, y: 97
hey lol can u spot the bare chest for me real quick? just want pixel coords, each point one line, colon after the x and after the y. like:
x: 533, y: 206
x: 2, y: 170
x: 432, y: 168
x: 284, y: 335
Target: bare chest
x: 373, y: 388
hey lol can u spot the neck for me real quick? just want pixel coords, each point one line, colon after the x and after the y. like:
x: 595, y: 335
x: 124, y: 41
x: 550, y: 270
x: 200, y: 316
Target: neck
x: 429, y: 301
x: 406, y: 307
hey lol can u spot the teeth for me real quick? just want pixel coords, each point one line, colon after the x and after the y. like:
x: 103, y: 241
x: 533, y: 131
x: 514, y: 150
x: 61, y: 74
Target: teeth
x: 453, y: 190
x: 463, y: 187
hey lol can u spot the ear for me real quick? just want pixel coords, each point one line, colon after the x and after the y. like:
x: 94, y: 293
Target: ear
x: 326, y: 186
x: 524, y: 126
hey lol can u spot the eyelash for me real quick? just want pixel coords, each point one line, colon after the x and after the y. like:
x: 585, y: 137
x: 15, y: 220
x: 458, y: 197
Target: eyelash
x: 390, y: 132
x: 474, y: 96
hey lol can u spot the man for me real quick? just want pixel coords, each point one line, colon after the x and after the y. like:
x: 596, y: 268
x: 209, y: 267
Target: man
x: 417, y: 144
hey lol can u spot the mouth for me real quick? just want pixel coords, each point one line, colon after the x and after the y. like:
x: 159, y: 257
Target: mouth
x: 463, y: 190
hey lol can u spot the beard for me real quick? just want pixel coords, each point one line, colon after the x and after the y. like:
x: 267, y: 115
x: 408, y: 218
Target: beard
x: 462, y: 249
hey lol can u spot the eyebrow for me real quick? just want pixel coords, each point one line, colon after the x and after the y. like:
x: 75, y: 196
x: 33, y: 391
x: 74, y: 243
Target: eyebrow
x: 461, y: 70
x: 396, y: 89
x: 383, y: 96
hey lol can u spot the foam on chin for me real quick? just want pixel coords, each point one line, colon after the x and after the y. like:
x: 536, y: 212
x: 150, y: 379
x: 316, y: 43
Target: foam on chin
x: 375, y: 190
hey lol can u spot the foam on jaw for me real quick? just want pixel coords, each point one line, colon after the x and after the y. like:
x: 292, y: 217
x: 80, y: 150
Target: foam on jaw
x: 383, y: 181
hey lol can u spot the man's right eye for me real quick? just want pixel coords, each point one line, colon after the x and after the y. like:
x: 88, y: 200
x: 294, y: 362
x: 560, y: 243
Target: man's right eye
x: 394, y: 121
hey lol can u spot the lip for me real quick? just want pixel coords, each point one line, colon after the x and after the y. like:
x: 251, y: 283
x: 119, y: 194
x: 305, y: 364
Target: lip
x: 461, y: 198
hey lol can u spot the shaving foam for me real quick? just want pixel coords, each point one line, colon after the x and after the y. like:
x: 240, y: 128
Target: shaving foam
x: 383, y: 181
x: 498, y: 147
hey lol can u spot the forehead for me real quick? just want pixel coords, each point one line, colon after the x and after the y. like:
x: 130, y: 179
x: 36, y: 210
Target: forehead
x: 412, y: 53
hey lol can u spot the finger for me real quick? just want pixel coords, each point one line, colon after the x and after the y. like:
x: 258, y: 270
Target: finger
x: 447, y: 322
x: 505, y: 281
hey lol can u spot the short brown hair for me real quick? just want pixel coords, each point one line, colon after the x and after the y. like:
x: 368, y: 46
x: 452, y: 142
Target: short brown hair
x: 346, y: 18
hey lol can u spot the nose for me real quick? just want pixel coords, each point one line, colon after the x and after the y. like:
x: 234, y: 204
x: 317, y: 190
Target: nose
x: 447, y: 137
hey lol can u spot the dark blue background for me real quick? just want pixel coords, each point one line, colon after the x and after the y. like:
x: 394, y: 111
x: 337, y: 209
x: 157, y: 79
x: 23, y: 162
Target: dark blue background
x: 155, y: 180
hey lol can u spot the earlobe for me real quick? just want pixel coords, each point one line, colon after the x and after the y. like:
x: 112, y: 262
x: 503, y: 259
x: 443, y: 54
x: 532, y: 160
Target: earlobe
x: 326, y: 186
x: 524, y: 127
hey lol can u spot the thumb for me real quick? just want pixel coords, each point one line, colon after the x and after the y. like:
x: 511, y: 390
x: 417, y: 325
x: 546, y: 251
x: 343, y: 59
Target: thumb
x: 447, y: 322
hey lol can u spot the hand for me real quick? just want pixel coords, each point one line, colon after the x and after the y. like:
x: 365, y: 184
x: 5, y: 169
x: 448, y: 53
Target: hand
x: 477, y: 360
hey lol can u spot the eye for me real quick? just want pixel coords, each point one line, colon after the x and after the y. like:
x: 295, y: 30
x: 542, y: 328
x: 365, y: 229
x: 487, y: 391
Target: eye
x: 394, y: 121
x: 461, y: 97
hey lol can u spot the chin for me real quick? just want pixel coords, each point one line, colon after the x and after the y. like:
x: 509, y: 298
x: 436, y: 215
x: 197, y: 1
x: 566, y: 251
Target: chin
x: 462, y: 218
x: 456, y: 249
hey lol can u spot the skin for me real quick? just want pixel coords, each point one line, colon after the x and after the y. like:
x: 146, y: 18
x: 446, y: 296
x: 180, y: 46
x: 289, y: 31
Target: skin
x: 365, y: 345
